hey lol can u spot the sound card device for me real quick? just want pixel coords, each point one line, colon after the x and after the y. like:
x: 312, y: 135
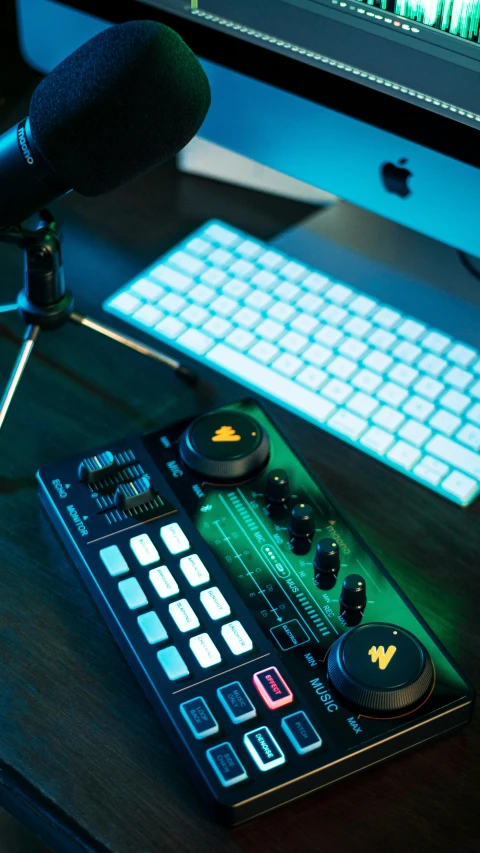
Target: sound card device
x: 279, y: 653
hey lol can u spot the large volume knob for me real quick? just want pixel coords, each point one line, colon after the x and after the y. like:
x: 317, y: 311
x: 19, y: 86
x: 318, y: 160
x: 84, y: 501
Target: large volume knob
x: 225, y: 446
x: 278, y: 488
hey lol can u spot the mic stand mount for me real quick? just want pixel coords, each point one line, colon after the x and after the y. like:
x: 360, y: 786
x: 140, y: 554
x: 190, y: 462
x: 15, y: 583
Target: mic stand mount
x: 44, y: 303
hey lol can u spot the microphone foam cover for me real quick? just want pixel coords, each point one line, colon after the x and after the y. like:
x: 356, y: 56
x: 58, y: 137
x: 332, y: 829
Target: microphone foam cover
x: 125, y: 101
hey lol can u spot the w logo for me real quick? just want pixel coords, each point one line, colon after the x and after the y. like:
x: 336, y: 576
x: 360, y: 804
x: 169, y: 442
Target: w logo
x: 381, y: 656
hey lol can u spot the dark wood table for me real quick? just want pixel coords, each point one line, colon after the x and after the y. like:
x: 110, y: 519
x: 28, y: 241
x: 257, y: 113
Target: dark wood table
x: 84, y: 762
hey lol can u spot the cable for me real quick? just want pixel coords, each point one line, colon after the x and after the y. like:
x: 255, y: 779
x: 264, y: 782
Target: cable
x: 465, y: 259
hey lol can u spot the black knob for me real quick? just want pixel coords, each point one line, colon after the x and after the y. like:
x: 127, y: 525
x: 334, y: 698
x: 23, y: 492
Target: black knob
x: 380, y: 667
x: 136, y: 493
x: 327, y: 558
x: 96, y: 467
x: 278, y: 487
x: 302, y: 522
x: 354, y: 593
x: 225, y: 446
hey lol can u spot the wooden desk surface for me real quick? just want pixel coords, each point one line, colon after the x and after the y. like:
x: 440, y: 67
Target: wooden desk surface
x: 83, y: 759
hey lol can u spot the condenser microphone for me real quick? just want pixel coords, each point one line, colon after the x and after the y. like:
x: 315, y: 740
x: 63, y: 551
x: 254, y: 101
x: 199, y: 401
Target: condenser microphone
x: 124, y: 102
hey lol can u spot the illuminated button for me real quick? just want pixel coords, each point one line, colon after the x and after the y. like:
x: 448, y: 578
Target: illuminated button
x: 226, y: 764
x: 163, y: 581
x: 152, y: 628
x: 205, y: 650
x: 199, y: 717
x: 172, y: 663
x: 264, y: 749
x: 225, y: 445
x: 144, y: 549
x: 183, y: 615
x: 272, y: 688
x: 194, y: 570
x: 236, y: 702
x: 236, y: 638
x: 132, y: 593
x: 301, y: 733
x: 174, y: 538
x: 214, y: 603
x: 113, y: 560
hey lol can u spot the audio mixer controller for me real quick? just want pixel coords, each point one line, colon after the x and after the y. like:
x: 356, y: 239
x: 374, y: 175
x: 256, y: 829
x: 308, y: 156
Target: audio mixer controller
x: 275, y: 647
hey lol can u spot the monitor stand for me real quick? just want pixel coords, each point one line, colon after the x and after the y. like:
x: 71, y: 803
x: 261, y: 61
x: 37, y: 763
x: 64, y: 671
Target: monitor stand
x: 414, y: 273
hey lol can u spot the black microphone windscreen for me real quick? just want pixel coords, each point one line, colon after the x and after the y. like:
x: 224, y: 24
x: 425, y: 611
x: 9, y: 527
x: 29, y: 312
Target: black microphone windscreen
x: 125, y: 101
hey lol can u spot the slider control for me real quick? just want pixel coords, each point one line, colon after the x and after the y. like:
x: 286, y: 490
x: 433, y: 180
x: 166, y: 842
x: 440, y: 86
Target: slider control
x: 133, y: 494
x: 96, y: 467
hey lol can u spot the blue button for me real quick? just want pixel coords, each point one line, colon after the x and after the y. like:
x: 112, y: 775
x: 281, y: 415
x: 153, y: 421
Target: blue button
x: 301, y: 733
x: 172, y: 663
x: 153, y: 629
x: 199, y: 717
x: 264, y: 749
x: 227, y: 765
x: 113, y: 560
x: 132, y: 593
x: 236, y: 702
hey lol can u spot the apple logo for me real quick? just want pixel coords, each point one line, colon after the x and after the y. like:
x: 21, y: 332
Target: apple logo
x: 395, y: 178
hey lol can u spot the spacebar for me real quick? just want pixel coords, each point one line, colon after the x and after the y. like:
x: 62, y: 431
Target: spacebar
x: 271, y: 383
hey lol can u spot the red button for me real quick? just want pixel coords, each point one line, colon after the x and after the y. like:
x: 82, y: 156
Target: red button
x: 272, y: 688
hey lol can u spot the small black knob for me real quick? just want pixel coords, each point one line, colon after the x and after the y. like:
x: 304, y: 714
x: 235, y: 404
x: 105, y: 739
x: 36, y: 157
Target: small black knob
x: 136, y: 493
x: 96, y: 467
x: 327, y: 558
x: 354, y: 593
x: 302, y: 522
x: 278, y: 487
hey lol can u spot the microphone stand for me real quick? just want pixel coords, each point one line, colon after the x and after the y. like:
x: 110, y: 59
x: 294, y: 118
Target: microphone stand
x: 44, y: 303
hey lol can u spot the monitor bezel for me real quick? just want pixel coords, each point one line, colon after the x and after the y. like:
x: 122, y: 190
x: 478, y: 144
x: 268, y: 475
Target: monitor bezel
x: 383, y: 111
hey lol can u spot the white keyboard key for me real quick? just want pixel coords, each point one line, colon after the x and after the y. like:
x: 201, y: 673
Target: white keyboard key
x: 247, y: 318
x: 144, y: 549
x: 271, y: 260
x: 258, y: 300
x: 363, y: 306
x: 316, y: 283
x: 347, y: 424
x: 431, y: 470
x: 281, y: 311
x: 205, y: 651
x: 269, y: 330
x: 196, y: 341
x: 366, y: 381
x: 460, y: 379
x: 236, y: 638
x: 148, y: 316
x: 224, y: 306
x: 433, y: 365
x: 152, y: 628
x: 274, y: 385
x: 194, y: 570
x: 445, y: 422
x: 337, y: 391
x: 328, y: 336
x: 240, y: 339
x: 339, y: 294
x: 288, y: 364
x: 358, y: 327
x: 199, y: 247
x: 382, y: 340
x: 183, y: 615
x: 333, y: 315
x: 386, y: 318
x: 132, y: 593
x: 170, y: 327
x: 353, y: 349
x: 264, y: 352
x: 317, y: 355
x: 215, y: 603
x: 125, y: 303
x: 164, y: 582
x: 462, y: 487
x: 455, y: 402
x: 455, y: 454
x: 362, y: 404
x: 242, y: 268
x: 172, y: 663
x: 429, y: 388
x: 407, y: 352
x: 187, y: 263
x: 287, y: 292
x: 436, y: 343
x: 418, y: 408
x: 461, y: 355
x: 392, y: 394
x: 415, y: 433
x: 176, y: 280
x: 403, y: 374
x: 293, y: 271
x: 310, y: 303
x: 220, y: 258
x: 473, y: 414
x: 147, y: 289
x: 249, y: 249
x: 265, y: 280
x: 202, y: 294
x: 388, y: 418
x: 411, y: 330
x: 236, y: 288
x: 221, y: 235
x: 378, y: 361
x: 293, y: 342
x: 404, y: 455
x: 312, y: 378
x: 475, y: 391
x: 469, y: 435
x: 378, y: 440
x: 217, y: 327
x: 172, y: 303
x: 305, y: 324
x: 213, y: 277
x: 342, y: 367
x: 194, y: 315
x: 174, y: 538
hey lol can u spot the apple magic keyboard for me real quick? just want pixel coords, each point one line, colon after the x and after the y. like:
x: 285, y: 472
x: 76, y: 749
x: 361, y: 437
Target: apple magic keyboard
x: 404, y: 393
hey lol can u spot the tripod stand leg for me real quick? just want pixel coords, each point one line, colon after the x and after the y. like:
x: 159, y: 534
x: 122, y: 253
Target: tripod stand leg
x: 133, y: 344
x: 4, y: 309
x: 31, y: 336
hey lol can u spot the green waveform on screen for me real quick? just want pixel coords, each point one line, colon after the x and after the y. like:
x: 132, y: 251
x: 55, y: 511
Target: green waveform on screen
x: 459, y: 17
